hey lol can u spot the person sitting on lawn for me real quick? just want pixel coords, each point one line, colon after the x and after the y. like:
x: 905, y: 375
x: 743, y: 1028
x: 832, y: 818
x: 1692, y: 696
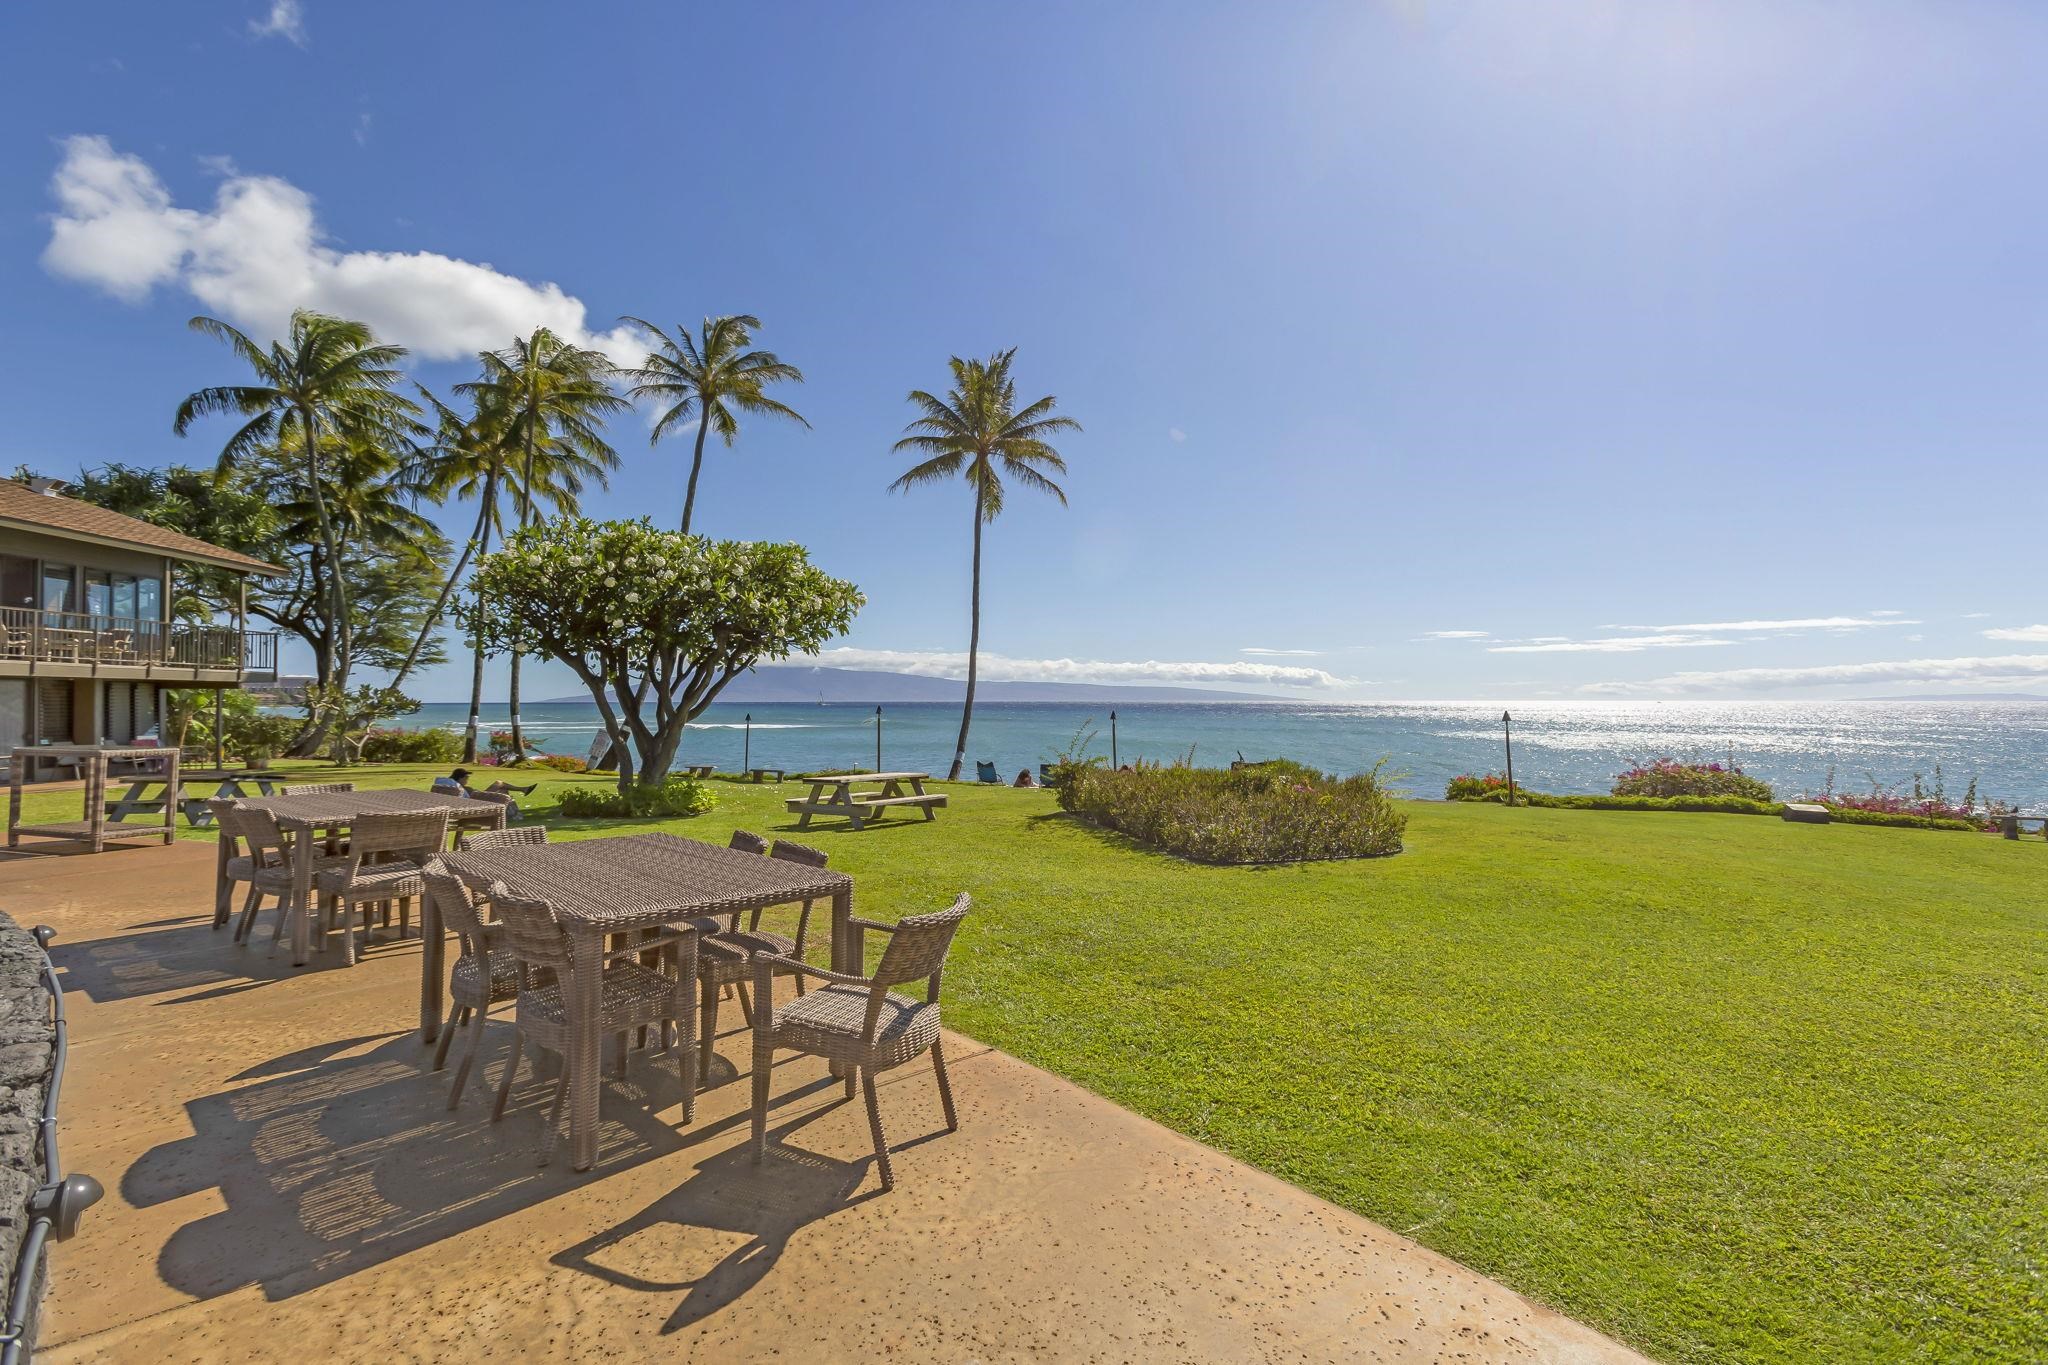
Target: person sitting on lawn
x: 455, y: 784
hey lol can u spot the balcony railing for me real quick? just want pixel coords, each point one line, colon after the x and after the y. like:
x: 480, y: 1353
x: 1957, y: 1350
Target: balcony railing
x: 74, y: 637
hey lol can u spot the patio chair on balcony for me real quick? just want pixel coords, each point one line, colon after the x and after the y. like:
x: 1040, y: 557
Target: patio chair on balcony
x: 859, y: 1022
x: 633, y: 996
x: 480, y: 978
x: 522, y: 837
x: 386, y: 854
x: 725, y: 952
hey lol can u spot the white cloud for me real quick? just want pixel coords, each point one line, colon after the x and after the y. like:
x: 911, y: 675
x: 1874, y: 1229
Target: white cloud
x: 2017, y: 633
x: 2029, y: 669
x: 1619, y: 644
x: 1975, y: 615
x: 259, y: 253
x: 285, y: 20
x: 1803, y: 623
x: 999, y: 668
x: 1177, y: 435
x: 1456, y: 635
x: 1281, y: 653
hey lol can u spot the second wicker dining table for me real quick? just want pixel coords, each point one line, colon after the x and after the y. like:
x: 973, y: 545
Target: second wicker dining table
x: 600, y: 887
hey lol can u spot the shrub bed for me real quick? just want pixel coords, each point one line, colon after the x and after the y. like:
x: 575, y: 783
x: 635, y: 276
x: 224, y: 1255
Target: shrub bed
x: 411, y: 746
x: 1267, y: 813
x: 676, y: 797
x: 1669, y: 777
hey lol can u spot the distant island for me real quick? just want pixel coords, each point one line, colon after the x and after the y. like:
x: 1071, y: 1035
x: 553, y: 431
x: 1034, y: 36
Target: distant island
x: 1966, y: 696
x: 798, y: 683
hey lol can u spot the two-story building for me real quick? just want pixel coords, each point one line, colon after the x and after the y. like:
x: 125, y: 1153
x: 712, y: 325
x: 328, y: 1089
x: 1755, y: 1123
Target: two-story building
x: 87, y: 639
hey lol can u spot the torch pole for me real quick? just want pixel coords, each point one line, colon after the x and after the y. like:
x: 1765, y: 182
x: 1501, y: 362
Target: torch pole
x: 1112, y: 739
x: 747, y: 745
x: 878, y: 739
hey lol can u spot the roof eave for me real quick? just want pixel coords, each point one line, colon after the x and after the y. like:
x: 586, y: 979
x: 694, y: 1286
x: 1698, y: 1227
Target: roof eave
x: 224, y: 559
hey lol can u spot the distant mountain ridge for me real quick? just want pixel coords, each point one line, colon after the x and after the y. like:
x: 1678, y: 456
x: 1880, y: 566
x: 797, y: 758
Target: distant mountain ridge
x: 800, y: 683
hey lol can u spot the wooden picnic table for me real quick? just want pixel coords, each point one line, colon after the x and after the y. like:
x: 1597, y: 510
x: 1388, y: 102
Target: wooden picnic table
x: 302, y: 817
x: 860, y: 808
x: 626, y: 883
x: 227, y: 787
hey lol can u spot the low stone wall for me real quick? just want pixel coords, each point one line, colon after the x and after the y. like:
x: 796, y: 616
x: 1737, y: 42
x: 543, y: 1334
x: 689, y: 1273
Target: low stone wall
x: 27, y: 1051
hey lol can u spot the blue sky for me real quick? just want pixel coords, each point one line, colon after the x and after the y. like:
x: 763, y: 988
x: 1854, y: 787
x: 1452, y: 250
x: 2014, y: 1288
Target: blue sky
x: 1424, y: 350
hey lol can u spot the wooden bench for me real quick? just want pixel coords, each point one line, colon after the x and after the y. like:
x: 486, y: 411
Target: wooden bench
x: 836, y: 796
x: 698, y: 771
x: 761, y: 774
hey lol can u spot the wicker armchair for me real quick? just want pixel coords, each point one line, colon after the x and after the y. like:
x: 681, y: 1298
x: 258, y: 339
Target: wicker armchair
x: 315, y: 788
x: 724, y: 950
x: 859, y: 1021
x: 235, y: 865
x: 501, y: 838
x: 266, y: 864
x: 633, y: 995
x: 744, y: 842
x: 385, y: 855
x: 480, y: 978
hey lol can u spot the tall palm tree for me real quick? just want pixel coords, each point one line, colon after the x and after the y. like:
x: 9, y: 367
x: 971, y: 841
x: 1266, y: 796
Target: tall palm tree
x: 466, y: 461
x: 710, y: 377
x: 978, y: 430
x: 332, y: 377
x: 551, y: 398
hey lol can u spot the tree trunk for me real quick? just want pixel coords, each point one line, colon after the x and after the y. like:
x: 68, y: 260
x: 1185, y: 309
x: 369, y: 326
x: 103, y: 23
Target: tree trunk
x: 337, y: 592
x: 696, y: 462
x: 476, y: 674
x: 973, y: 645
x: 448, y: 588
x: 525, y: 520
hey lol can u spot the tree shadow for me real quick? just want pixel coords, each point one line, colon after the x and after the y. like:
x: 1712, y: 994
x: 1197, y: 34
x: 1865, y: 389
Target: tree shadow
x: 765, y: 1204
x: 177, y: 955
x: 333, y: 1163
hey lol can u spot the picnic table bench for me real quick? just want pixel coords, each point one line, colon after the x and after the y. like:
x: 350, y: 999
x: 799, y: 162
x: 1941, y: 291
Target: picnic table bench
x: 698, y: 771
x: 836, y: 796
x: 760, y: 775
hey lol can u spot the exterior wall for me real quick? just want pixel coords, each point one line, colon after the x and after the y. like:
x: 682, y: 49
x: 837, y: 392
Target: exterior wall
x: 57, y: 550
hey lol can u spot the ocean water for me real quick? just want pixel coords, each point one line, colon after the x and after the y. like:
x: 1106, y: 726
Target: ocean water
x: 1559, y: 746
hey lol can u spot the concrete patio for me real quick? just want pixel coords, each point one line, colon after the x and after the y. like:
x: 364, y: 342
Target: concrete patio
x: 284, y: 1181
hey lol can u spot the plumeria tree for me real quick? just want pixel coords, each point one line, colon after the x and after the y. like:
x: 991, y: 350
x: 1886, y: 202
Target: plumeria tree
x: 654, y: 623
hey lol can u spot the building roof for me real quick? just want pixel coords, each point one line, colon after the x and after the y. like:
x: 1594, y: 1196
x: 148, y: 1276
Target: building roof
x: 56, y: 515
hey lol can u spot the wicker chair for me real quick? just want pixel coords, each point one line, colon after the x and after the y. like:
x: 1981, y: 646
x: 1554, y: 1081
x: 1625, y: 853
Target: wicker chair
x: 235, y: 863
x: 744, y: 842
x: 480, y: 978
x: 266, y: 865
x: 859, y: 1021
x: 522, y: 837
x: 316, y: 789
x: 723, y: 950
x: 385, y: 855
x: 633, y: 996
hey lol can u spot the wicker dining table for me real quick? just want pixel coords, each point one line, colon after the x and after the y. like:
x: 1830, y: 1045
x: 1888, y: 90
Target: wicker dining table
x: 601, y: 887
x: 306, y: 815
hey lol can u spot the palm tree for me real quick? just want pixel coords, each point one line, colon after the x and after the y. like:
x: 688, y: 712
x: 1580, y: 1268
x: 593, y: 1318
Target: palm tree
x: 710, y: 377
x: 331, y: 378
x: 551, y: 398
x: 978, y: 430
x: 466, y: 461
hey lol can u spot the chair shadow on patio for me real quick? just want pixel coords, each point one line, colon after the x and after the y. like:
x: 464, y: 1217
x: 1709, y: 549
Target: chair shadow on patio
x: 166, y: 957
x: 338, y: 1160
x: 765, y: 1204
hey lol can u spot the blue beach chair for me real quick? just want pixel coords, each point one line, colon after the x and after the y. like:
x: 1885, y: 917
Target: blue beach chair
x: 987, y: 773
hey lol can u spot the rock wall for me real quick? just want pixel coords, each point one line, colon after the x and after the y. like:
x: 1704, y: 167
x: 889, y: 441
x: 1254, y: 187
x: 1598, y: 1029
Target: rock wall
x: 27, y: 1050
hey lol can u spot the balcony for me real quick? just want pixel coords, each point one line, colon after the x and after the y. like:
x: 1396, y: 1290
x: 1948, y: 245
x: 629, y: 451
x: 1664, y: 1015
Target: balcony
x: 69, y: 644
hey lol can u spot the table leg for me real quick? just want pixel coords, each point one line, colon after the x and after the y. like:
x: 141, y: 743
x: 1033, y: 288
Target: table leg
x: 585, y: 987
x: 223, y: 893
x: 433, y: 953
x: 302, y: 895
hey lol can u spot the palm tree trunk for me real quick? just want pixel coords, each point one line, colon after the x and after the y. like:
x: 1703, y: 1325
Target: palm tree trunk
x: 337, y: 592
x: 973, y: 647
x: 476, y: 673
x: 525, y: 519
x: 419, y: 643
x: 696, y: 464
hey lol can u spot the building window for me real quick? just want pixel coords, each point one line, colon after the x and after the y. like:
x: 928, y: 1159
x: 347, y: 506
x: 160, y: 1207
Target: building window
x: 13, y: 714
x: 60, y: 586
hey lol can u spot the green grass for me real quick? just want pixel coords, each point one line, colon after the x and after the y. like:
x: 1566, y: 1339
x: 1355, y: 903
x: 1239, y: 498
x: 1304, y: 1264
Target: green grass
x: 1727, y: 1088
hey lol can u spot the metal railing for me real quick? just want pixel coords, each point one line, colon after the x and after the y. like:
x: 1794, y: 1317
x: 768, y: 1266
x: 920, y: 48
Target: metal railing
x: 57, y: 1205
x: 77, y: 637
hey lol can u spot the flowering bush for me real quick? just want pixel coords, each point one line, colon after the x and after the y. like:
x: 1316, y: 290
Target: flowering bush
x: 561, y: 763
x: 1928, y: 806
x: 1263, y: 813
x: 678, y: 796
x: 1467, y: 787
x: 1669, y: 777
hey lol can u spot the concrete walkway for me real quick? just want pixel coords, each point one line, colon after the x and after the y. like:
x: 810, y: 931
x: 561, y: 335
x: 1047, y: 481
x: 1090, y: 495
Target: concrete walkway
x: 284, y: 1181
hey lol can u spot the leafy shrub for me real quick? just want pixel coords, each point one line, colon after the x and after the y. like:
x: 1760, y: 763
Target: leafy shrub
x: 261, y: 736
x: 1669, y: 777
x: 1468, y: 787
x: 561, y: 763
x: 411, y: 746
x: 1264, y: 813
x: 1858, y: 815
x: 678, y: 796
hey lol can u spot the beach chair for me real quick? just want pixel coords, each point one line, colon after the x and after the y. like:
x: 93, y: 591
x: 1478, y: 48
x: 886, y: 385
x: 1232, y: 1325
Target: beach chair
x: 987, y: 773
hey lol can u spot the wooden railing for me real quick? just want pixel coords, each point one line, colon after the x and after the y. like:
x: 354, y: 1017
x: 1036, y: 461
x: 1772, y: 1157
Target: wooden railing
x: 75, y: 637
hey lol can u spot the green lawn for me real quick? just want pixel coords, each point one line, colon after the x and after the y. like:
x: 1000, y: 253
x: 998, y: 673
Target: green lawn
x: 1727, y: 1088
